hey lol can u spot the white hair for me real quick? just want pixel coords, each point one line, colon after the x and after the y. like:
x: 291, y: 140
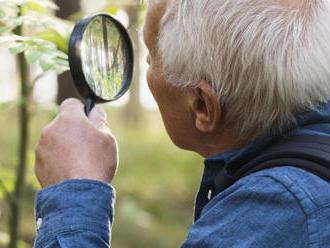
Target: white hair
x: 265, y: 60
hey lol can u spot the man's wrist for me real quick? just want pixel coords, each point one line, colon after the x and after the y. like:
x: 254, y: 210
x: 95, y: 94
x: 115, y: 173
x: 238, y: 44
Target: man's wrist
x: 75, y: 205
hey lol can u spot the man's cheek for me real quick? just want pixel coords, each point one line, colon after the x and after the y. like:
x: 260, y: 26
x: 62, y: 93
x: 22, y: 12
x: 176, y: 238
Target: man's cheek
x: 150, y: 79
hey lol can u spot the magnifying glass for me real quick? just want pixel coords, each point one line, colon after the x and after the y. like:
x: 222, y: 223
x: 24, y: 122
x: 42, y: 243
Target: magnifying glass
x: 101, y: 59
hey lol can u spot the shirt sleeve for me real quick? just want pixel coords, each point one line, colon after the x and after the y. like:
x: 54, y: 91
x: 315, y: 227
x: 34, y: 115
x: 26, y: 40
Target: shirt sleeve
x: 257, y: 212
x: 75, y: 213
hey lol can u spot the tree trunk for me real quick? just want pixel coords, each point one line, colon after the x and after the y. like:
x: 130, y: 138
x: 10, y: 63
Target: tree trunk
x: 66, y: 88
x: 132, y: 111
x: 24, y: 118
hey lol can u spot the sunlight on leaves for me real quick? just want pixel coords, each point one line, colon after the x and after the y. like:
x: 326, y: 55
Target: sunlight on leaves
x: 32, y: 56
x: 53, y: 36
x: 19, y: 48
x: 42, y: 3
x: 112, y: 9
x: 37, y: 50
x: 47, y: 40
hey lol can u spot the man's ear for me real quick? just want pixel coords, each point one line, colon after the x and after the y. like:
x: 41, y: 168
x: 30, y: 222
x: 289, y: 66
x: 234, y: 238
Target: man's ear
x: 206, y: 107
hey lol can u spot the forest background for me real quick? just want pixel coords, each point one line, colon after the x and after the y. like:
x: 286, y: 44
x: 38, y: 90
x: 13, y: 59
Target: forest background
x: 156, y: 182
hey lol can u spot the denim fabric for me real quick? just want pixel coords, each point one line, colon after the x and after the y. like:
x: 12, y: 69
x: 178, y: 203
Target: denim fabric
x: 283, y: 207
x: 308, y: 123
x: 75, y: 213
x: 279, y: 207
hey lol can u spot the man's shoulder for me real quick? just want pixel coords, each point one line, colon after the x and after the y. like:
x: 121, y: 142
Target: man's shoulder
x: 281, y: 185
x: 311, y: 191
x: 277, y: 207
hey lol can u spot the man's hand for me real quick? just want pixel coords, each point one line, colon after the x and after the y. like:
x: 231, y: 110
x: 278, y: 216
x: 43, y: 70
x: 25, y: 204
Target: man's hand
x: 76, y: 147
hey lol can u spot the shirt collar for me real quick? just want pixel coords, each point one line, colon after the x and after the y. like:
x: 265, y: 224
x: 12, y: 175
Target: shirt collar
x: 306, y: 123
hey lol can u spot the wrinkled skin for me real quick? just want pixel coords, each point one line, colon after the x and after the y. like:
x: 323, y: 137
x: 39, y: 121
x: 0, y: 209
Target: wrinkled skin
x: 73, y: 146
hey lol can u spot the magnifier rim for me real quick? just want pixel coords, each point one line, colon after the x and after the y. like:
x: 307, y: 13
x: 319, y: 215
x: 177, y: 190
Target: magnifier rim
x: 76, y: 65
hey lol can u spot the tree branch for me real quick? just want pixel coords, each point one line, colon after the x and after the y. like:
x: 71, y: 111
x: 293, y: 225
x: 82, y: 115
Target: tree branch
x: 36, y: 79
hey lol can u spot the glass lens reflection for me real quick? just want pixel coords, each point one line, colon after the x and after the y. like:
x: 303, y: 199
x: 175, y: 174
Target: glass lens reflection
x: 103, y: 57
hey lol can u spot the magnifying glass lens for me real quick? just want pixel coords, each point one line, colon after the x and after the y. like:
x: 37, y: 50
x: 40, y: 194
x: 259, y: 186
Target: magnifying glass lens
x: 103, y: 58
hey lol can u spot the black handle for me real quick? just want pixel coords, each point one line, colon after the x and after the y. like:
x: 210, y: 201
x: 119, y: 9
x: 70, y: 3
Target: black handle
x: 89, y: 105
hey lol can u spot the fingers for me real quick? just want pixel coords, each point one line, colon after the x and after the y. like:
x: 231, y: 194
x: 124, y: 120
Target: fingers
x: 73, y: 144
x: 71, y: 107
x: 98, y: 118
x: 74, y: 108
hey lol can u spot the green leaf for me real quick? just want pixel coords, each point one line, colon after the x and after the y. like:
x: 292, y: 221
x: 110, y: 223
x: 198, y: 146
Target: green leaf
x: 34, y: 42
x: 35, y: 7
x: 9, y: 5
x: 61, y: 61
x: 112, y: 9
x: 45, y: 64
x: 53, y: 36
x: 60, y: 69
x: 10, y: 39
x: 17, y: 49
x: 44, y: 4
x: 60, y: 55
x: 75, y: 17
x: 32, y: 56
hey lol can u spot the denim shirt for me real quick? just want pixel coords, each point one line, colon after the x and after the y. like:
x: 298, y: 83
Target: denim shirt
x: 278, y: 207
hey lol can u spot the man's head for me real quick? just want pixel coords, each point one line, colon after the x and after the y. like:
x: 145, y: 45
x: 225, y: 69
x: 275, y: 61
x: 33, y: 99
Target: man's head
x: 262, y: 60
x: 191, y: 114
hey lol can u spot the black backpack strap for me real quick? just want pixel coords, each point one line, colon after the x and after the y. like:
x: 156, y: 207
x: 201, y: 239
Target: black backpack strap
x: 309, y: 152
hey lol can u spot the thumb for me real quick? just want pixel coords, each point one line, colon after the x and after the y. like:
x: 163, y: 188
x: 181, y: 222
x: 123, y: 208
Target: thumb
x: 98, y: 118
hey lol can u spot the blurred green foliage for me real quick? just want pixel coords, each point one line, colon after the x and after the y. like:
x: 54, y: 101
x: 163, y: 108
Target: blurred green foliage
x: 44, y: 41
x: 46, y: 36
x: 23, y: 28
x: 156, y: 182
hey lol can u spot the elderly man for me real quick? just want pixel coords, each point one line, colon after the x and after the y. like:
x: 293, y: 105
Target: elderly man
x: 244, y: 83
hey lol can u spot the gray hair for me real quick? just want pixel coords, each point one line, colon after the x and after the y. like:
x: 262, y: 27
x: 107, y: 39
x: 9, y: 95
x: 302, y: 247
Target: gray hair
x: 265, y: 60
